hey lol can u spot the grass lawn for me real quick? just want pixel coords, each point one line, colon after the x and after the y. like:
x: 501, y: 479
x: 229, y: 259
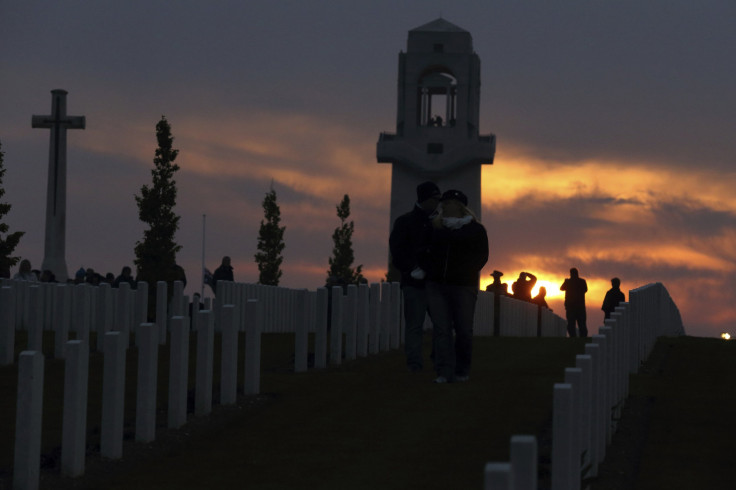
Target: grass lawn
x: 369, y: 424
x: 678, y: 428
x: 363, y: 424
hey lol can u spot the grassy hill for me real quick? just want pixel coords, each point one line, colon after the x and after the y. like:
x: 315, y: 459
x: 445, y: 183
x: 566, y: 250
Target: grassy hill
x: 370, y: 424
x: 678, y: 426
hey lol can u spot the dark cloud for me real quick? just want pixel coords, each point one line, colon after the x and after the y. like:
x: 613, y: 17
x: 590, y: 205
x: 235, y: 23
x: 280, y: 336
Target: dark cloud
x: 626, y: 84
x: 632, y: 80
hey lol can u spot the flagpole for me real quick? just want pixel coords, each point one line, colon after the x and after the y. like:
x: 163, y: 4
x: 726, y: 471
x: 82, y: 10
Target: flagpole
x: 204, y: 223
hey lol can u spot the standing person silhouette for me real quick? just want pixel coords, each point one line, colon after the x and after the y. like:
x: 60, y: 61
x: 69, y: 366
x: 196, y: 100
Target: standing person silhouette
x: 522, y: 287
x: 497, y: 287
x: 613, y: 297
x: 409, y: 245
x: 222, y: 273
x: 539, y: 299
x: 458, y: 252
x: 24, y: 272
x: 575, y: 288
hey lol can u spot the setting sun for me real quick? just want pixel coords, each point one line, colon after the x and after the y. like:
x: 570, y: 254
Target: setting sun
x: 549, y: 282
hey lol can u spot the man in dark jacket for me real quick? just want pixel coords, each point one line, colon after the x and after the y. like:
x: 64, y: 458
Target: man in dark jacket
x: 613, y: 297
x: 409, y: 245
x: 458, y: 252
x: 575, y: 288
x: 222, y: 273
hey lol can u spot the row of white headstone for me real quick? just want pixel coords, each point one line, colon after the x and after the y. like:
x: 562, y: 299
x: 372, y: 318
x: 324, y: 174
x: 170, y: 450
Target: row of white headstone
x: 81, y: 309
x: 74, y: 429
x: 353, y: 316
x: 365, y: 319
x: 369, y: 316
x: 588, y: 404
x: 517, y: 318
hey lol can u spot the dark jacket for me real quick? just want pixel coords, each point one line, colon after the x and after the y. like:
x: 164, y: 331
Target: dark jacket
x: 457, y: 256
x: 222, y: 273
x: 575, y: 289
x: 409, y: 244
x: 613, y: 297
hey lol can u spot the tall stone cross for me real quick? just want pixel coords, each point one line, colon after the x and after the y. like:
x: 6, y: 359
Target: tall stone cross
x: 54, y: 254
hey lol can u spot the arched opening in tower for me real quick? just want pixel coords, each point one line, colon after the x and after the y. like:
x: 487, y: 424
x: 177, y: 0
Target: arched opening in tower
x: 437, y: 98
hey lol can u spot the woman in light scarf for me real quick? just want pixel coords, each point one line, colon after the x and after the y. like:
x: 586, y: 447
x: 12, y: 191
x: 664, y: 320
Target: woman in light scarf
x: 458, y: 252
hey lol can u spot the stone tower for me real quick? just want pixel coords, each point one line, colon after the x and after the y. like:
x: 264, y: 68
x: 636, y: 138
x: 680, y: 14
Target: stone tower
x: 437, y: 136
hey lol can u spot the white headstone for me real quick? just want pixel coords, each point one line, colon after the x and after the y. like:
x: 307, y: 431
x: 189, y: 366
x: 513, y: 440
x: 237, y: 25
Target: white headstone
x: 74, y: 429
x: 29, y: 409
x: 524, y: 462
x: 145, y: 406
x: 363, y: 319
x: 253, y: 329
x: 301, y: 334
x: 374, y: 319
x: 350, y: 322
x: 497, y: 476
x: 229, y: 358
x: 562, y: 458
x: 205, y: 363
x: 161, y: 306
x: 385, y: 323
x: 178, y: 372
x: 320, y: 329
x: 336, y: 324
x: 113, y: 396
x: 62, y: 316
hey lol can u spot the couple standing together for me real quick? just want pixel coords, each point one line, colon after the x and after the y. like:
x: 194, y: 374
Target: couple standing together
x: 440, y: 248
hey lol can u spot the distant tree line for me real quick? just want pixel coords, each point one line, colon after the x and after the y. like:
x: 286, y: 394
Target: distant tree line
x: 156, y: 252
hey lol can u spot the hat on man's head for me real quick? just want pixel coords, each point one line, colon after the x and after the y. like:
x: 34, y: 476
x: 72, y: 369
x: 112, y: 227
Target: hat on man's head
x: 427, y: 190
x: 496, y: 273
x: 456, y: 195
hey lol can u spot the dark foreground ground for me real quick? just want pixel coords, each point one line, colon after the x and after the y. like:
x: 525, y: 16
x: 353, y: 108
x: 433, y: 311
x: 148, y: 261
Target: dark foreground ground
x: 369, y: 424
x: 678, y: 426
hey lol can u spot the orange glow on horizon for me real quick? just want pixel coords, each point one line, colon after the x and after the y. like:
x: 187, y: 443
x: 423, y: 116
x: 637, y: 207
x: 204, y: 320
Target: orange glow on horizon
x: 549, y: 281
x: 636, y: 185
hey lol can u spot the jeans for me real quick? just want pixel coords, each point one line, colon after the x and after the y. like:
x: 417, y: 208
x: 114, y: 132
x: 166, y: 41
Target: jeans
x: 452, y: 308
x: 415, y: 311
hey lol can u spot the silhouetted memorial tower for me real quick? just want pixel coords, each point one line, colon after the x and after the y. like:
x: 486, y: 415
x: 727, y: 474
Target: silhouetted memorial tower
x: 437, y: 136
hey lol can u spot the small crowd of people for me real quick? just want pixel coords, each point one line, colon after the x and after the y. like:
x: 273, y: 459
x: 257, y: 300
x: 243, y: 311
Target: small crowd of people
x: 26, y: 273
x: 521, y: 288
x: 574, y: 287
x: 440, y: 247
x: 81, y: 276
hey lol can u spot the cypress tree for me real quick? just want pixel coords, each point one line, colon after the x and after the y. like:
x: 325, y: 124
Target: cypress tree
x: 270, y: 242
x: 341, y: 271
x: 156, y: 253
x: 10, y: 240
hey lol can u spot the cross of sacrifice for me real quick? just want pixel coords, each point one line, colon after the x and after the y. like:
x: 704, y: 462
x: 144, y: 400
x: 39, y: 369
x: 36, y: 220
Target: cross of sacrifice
x: 55, y: 239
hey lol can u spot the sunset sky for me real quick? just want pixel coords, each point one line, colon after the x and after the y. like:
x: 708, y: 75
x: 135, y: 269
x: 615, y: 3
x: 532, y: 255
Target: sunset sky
x: 614, y: 124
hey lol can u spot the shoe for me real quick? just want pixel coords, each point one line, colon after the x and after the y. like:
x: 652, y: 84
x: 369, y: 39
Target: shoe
x: 440, y: 379
x: 461, y: 379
